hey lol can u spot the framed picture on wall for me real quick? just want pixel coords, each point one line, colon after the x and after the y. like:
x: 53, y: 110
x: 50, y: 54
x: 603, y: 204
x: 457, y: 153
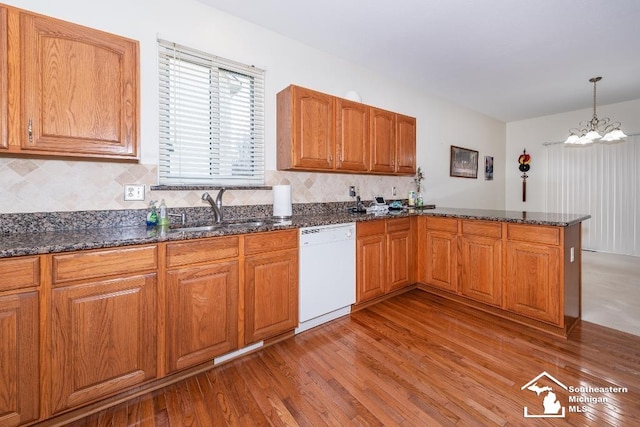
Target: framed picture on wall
x: 464, y: 162
x: 488, y: 168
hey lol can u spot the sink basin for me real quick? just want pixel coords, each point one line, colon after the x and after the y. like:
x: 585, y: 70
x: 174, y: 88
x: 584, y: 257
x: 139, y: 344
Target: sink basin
x: 220, y: 226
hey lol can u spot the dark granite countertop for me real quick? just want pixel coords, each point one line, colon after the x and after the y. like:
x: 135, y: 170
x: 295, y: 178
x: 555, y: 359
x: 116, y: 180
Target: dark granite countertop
x: 19, y: 244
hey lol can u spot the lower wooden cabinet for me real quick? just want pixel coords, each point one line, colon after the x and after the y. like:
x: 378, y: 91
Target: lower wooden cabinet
x: 370, y: 260
x: 384, y: 257
x: 439, y: 266
x: 103, y: 323
x: 202, y: 288
x: 103, y: 338
x: 481, y: 261
x: 270, y: 284
x: 533, y: 281
x: 19, y: 358
x: 202, y: 313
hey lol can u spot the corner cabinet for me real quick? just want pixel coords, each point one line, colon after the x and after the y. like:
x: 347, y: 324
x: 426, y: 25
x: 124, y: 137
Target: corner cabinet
x: 322, y: 133
x: 73, y: 90
x: 103, y: 323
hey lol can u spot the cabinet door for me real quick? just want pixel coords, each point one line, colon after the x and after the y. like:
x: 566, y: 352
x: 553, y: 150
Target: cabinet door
x: 202, y: 313
x: 383, y: 140
x: 532, y: 283
x: 313, y: 127
x: 441, y: 259
x: 371, y: 267
x: 405, y: 144
x: 271, y: 294
x: 79, y: 90
x: 4, y: 71
x: 352, y: 136
x: 103, y: 338
x: 19, y: 359
x: 400, y: 258
x: 481, y: 269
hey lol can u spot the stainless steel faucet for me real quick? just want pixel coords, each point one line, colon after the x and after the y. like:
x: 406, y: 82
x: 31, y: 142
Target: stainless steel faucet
x: 216, y: 206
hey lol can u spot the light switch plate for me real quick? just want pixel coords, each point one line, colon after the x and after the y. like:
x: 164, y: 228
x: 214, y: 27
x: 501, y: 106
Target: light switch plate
x: 134, y: 192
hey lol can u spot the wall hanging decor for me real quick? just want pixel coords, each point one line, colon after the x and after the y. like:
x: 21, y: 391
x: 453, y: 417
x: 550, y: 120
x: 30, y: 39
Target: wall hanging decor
x: 488, y: 168
x: 464, y: 162
x: 524, y: 160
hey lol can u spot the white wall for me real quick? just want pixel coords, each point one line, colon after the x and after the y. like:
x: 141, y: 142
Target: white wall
x: 439, y: 123
x: 531, y: 134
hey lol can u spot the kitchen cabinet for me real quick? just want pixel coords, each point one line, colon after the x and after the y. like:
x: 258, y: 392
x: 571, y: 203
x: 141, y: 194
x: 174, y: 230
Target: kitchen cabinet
x: 270, y: 284
x: 306, y: 137
x: 103, y: 323
x: 322, y: 133
x: 533, y: 273
x: 352, y: 136
x: 383, y: 140
x: 400, y: 253
x: 370, y: 260
x: 19, y: 341
x: 202, y: 300
x: 384, y: 257
x: 4, y: 80
x: 481, y: 261
x: 73, y: 90
x: 439, y: 266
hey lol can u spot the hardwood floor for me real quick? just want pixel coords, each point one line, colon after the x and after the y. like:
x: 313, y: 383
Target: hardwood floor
x: 413, y: 360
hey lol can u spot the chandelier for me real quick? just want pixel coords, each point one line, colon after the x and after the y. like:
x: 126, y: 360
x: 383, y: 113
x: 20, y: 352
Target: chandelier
x: 593, y: 129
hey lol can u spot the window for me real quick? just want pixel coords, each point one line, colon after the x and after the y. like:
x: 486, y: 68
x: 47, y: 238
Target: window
x: 211, y: 119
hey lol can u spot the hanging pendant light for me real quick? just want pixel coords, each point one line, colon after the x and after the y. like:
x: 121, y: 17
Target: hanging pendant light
x: 593, y: 129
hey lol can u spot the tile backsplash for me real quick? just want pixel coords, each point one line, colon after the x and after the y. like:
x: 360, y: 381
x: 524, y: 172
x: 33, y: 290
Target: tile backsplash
x: 35, y: 185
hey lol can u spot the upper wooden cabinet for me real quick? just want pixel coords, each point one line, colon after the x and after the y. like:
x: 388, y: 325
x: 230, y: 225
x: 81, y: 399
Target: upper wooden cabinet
x: 4, y: 71
x: 72, y: 90
x: 352, y: 136
x: 324, y: 133
x: 306, y: 137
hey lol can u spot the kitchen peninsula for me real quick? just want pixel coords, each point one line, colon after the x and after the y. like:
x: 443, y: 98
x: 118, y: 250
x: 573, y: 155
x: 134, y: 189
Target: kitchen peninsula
x: 521, y: 266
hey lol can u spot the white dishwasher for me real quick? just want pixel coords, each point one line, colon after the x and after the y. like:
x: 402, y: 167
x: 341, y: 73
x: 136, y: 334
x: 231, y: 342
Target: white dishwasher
x: 327, y: 273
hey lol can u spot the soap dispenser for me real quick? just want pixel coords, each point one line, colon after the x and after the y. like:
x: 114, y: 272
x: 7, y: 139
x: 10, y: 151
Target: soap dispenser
x: 152, y: 215
x: 163, y: 218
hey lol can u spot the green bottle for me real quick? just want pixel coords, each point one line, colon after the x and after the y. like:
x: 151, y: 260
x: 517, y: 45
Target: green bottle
x: 152, y: 215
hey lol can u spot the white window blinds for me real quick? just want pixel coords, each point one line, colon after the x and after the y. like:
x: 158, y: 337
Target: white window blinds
x: 211, y: 119
x: 602, y: 180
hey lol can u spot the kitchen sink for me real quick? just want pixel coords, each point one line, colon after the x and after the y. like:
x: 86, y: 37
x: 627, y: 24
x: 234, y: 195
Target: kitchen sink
x: 248, y: 223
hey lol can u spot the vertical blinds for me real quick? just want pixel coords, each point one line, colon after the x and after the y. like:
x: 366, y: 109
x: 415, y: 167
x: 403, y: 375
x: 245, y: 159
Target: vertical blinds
x: 602, y: 180
x: 211, y: 119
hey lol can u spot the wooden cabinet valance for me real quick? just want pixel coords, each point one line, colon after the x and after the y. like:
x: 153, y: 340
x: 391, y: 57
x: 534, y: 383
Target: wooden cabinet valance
x: 323, y: 133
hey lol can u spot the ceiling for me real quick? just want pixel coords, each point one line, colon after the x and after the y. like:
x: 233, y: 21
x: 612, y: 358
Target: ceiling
x: 509, y: 59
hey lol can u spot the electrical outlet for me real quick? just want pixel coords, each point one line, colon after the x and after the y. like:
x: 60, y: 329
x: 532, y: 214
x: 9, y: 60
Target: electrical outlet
x: 352, y: 191
x: 394, y: 193
x: 133, y: 192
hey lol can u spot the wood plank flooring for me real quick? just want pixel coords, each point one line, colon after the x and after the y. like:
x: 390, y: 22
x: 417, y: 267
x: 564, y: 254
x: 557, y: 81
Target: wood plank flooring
x: 413, y: 360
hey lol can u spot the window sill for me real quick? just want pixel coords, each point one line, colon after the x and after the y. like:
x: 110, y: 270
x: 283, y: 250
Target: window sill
x: 207, y: 187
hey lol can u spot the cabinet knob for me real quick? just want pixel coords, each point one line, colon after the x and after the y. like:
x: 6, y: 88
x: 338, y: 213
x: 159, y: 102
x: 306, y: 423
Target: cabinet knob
x: 30, y: 130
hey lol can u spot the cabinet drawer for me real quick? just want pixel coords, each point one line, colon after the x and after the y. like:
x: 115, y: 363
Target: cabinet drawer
x: 198, y: 251
x: 109, y: 262
x: 482, y: 228
x: 16, y: 273
x: 370, y: 228
x: 270, y: 241
x: 442, y: 224
x: 398, y: 224
x: 534, y: 234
